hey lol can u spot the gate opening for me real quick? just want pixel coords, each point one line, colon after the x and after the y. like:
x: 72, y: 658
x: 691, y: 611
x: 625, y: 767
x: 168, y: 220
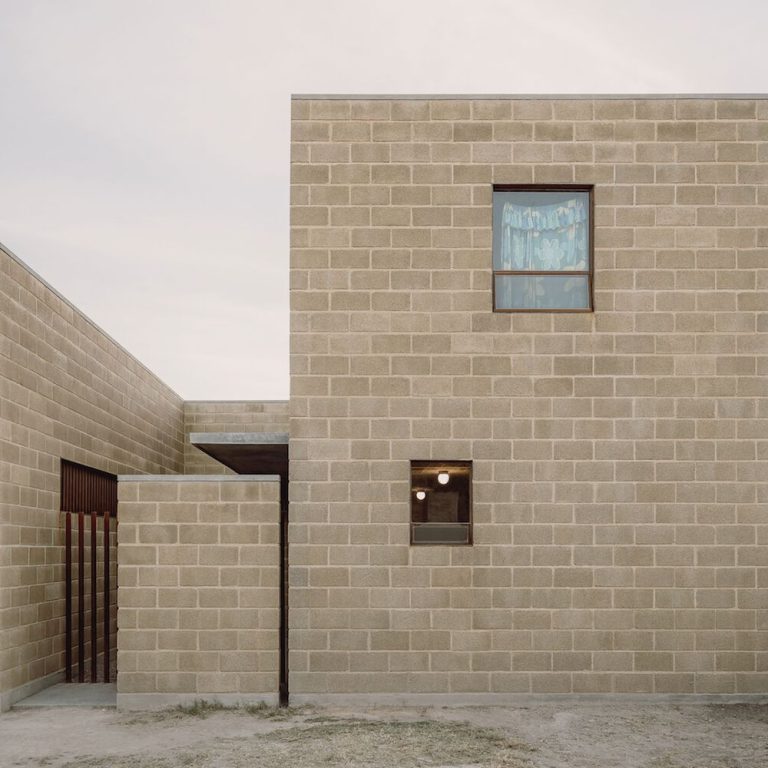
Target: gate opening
x: 89, y: 504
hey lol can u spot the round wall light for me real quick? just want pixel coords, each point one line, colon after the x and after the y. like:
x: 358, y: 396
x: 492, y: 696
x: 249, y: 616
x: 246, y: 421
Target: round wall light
x: 443, y: 478
x: 421, y: 495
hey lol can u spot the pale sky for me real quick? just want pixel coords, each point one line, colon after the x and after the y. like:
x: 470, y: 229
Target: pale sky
x: 144, y: 144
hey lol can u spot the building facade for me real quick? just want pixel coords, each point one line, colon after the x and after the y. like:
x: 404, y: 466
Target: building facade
x: 618, y: 456
x: 525, y: 448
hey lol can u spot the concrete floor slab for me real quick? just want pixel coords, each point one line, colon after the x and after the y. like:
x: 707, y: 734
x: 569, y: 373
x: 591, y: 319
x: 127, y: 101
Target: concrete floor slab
x: 72, y: 695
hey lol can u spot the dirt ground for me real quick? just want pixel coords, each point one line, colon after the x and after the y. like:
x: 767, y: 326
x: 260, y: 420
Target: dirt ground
x: 539, y: 735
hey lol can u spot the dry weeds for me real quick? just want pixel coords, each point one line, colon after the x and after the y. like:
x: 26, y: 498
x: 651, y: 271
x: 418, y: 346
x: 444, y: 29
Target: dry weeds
x: 337, y: 743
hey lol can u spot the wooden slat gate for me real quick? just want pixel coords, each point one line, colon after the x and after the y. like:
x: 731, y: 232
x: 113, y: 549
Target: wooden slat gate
x: 89, y: 503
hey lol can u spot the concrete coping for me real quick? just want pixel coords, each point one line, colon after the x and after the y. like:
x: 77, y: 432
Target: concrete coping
x: 238, y: 438
x: 198, y: 478
x: 517, y: 96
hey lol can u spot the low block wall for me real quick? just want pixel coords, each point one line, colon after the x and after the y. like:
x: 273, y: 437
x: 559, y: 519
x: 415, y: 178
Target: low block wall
x: 198, y: 589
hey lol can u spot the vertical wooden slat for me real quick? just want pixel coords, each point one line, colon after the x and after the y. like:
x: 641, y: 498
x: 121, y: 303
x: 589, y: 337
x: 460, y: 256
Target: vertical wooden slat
x: 68, y: 598
x: 283, y: 594
x: 94, y: 617
x: 106, y: 597
x: 81, y: 595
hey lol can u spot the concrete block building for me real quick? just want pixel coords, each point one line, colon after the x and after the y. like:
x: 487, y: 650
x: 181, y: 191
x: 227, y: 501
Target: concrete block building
x: 525, y: 448
x: 618, y: 455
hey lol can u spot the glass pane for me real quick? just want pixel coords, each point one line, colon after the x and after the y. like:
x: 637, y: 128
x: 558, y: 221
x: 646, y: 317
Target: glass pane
x: 541, y: 292
x: 440, y: 491
x: 441, y: 502
x: 541, y: 231
x: 440, y: 533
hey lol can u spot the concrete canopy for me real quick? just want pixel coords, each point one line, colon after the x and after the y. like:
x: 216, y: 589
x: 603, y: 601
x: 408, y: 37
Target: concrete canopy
x: 247, y: 453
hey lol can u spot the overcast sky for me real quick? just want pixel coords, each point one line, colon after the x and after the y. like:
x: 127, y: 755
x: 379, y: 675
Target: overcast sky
x: 144, y: 144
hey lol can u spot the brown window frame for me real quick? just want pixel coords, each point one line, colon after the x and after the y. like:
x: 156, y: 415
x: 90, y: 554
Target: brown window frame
x: 438, y: 464
x: 590, y: 273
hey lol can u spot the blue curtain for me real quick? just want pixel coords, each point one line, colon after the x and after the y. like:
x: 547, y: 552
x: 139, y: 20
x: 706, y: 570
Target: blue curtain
x: 544, y: 237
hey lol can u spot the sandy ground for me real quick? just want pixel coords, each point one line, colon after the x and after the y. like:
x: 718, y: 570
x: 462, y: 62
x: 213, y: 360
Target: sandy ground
x: 540, y: 735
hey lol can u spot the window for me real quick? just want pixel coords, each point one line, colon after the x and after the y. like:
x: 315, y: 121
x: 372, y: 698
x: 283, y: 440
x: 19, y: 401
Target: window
x: 542, y: 248
x: 441, y: 502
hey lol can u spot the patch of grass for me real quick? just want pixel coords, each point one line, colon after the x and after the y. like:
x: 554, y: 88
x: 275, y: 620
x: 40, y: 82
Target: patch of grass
x: 136, y: 761
x: 339, y: 743
x: 756, y: 711
x: 200, y: 708
x: 264, y: 710
x: 381, y: 744
x: 334, y: 719
x: 667, y: 761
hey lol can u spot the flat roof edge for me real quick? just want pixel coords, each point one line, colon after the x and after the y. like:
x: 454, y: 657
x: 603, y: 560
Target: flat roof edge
x: 198, y: 478
x: 238, y: 438
x: 517, y: 96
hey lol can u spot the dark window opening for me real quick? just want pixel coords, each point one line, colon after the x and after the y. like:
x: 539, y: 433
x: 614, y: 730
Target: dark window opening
x: 441, y: 502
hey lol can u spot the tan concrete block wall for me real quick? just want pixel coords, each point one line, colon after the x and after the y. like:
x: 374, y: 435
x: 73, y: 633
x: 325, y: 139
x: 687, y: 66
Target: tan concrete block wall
x: 66, y: 391
x: 198, y: 611
x: 227, y: 416
x: 619, y: 457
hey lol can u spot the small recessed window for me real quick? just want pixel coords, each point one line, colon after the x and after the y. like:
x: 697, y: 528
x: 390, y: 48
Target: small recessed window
x: 542, y: 249
x: 441, y: 502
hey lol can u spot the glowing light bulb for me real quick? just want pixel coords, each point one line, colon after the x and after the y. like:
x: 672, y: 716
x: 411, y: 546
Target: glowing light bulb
x: 443, y: 478
x: 421, y: 495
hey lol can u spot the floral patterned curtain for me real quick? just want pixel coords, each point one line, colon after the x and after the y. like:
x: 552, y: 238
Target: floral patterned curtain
x: 544, y: 237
